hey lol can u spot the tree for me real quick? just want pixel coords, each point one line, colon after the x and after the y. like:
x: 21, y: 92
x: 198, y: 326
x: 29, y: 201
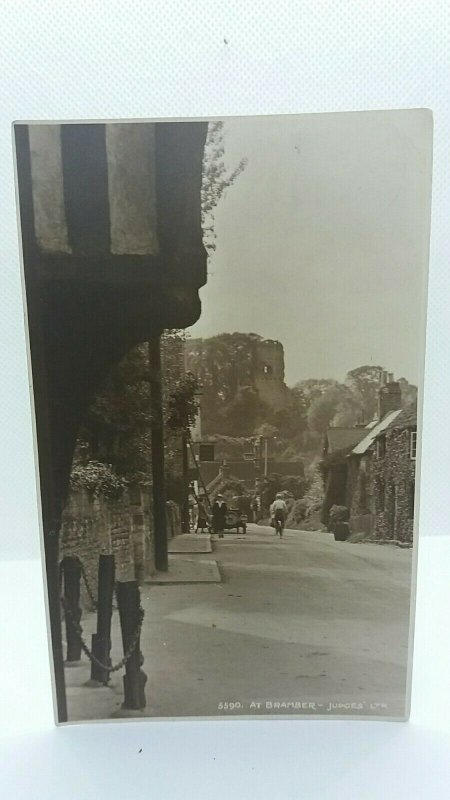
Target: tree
x: 312, y: 388
x: 266, y: 431
x: 350, y: 410
x: 116, y: 429
x: 241, y: 416
x: 225, y: 367
x: 323, y: 409
x: 409, y: 392
x: 216, y: 179
x: 364, y: 383
x: 291, y: 422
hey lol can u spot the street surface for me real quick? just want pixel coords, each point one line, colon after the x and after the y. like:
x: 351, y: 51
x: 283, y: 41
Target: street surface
x: 305, y: 625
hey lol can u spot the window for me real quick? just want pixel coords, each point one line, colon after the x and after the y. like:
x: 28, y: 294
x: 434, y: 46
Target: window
x: 413, y: 445
x: 267, y: 369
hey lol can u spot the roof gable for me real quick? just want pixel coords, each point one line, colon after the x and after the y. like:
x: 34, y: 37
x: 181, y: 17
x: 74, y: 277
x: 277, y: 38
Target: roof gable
x: 363, y: 446
x: 406, y: 419
x: 343, y: 438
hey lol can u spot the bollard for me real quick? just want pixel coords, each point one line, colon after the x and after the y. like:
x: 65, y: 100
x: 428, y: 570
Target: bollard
x: 128, y: 600
x: 101, y: 641
x: 71, y: 569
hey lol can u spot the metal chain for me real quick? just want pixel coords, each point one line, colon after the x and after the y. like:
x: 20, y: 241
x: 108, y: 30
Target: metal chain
x: 87, y: 584
x: 79, y: 632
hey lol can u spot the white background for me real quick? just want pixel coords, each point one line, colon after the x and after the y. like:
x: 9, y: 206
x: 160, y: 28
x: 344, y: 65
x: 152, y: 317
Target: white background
x: 136, y: 59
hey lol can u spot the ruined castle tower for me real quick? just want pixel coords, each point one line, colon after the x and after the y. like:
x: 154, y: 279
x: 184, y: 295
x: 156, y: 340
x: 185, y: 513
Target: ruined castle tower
x: 269, y: 374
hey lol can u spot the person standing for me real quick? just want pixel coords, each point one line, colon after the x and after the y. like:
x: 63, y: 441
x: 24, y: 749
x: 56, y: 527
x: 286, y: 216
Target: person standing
x: 219, y: 512
x: 202, y: 519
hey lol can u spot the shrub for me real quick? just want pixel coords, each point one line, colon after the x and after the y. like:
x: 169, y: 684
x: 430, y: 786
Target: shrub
x: 297, y: 513
x: 337, y: 514
x: 293, y: 484
x: 98, y: 479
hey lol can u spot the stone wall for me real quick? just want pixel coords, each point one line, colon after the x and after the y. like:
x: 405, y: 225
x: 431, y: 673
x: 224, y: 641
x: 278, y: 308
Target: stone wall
x: 94, y: 525
x: 380, y: 491
x: 394, y: 480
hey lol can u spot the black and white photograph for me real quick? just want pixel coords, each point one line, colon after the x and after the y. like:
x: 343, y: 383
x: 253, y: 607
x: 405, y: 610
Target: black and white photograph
x: 226, y: 333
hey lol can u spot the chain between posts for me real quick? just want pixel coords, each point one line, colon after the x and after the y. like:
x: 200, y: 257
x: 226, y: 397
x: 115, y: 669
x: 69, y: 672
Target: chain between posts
x: 79, y: 631
x: 87, y: 584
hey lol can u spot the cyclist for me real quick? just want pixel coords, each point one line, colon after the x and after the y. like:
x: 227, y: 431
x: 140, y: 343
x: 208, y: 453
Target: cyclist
x: 278, y: 514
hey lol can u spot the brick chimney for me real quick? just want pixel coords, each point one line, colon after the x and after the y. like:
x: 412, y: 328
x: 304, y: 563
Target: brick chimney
x: 389, y: 395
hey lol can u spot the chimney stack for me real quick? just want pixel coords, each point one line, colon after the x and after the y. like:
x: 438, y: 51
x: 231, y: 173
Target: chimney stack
x: 389, y: 395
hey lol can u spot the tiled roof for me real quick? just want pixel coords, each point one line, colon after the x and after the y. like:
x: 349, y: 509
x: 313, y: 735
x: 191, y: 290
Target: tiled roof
x: 370, y: 437
x: 407, y: 418
x: 342, y: 438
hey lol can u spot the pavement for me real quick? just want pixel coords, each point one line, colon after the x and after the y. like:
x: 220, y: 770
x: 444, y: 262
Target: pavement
x: 301, y: 625
x: 185, y: 563
x: 190, y: 543
x: 185, y: 569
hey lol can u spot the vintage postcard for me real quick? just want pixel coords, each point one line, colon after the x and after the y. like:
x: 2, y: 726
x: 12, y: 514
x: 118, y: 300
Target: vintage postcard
x: 226, y: 326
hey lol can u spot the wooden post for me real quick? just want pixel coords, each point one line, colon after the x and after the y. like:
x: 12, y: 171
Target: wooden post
x: 101, y: 641
x: 53, y: 572
x: 185, y: 521
x: 128, y: 600
x: 159, y: 489
x: 72, y: 582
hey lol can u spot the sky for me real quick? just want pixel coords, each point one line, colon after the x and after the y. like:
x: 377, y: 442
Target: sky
x: 322, y: 242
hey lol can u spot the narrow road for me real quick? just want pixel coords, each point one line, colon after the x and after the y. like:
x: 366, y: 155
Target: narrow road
x: 302, y: 625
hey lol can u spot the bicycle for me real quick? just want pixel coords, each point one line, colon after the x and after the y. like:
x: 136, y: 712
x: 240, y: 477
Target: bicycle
x: 278, y: 526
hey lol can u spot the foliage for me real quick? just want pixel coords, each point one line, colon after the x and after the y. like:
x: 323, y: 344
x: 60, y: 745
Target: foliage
x: 364, y: 383
x: 231, y: 487
x: 298, y: 513
x: 216, y: 179
x: 226, y: 366
x: 223, y: 365
x: 409, y: 392
x: 116, y: 429
x: 291, y: 422
x: 314, y: 495
x: 337, y: 514
x: 345, y: 405
x: 294, y: 484
x: 243, y: 412
x: 97, y: 478
x: 266, y: 431
x: 182, y: 406
x: 323, y: 409
x: 314, y: 387
x: 305, y: 511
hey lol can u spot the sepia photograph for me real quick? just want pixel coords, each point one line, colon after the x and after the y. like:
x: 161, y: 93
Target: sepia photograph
x: 226, y: 335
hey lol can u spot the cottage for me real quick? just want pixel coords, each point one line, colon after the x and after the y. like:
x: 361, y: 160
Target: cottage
x: 375, y: 478
x: 361, y: 492
x: 394, y: 469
